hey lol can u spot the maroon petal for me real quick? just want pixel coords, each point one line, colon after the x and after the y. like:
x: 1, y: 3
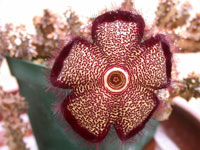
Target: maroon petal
x: 113, y: 78
x: 117, y: 32
x: 88, y: 114
x: 137, y: 106
x: 77, y: 67
x: 153, y: 67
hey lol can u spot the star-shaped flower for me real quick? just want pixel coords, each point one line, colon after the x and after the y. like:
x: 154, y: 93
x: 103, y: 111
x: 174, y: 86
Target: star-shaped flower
x: 113, y: 78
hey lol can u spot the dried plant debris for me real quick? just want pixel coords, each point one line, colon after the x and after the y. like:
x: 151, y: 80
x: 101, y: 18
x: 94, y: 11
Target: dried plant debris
x: 164, y: 109
x: 189, y: 40
x: 170, y: 16
x: 50, y: 29
x: 194, y: 27
x: 16, y: 42
x: 3, y: 45
x: 127, y: 5
x: 11, y: 107
x: 175, y: 18
x: 73, y: 22
x: 187, y: 88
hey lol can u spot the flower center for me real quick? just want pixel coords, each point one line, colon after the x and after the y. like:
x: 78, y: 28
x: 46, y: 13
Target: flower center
x: 116, y: 79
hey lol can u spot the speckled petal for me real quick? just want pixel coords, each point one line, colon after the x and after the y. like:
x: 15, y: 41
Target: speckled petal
x: 113, y: 78
x: 153, y: 67
x: 88, y: 114
x: 137, y: 106
x: 118, y: 32
x: 77, y: 67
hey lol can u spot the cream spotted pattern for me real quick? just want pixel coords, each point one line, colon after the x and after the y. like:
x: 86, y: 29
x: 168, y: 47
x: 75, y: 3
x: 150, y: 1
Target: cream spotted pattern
x: 81, y: 69
x: 91, y: 110
x: 150, y: 67
x: 136, y: 103
x: 93, y: 106
x: 117, y: 39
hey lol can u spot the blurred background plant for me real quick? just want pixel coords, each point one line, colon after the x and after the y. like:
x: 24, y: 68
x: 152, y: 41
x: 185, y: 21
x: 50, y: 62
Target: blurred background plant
x: 16, y: 42
x: 184, y: 30
x: 52, y: 28
x: 175, y: 19
x: 12, y: 105
x: 187, y: 88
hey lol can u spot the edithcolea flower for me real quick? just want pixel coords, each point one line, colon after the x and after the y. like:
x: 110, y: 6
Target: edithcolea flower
x: 113, y: 78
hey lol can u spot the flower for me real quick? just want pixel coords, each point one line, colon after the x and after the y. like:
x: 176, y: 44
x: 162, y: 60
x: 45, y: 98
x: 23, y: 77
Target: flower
x: 113, y: 78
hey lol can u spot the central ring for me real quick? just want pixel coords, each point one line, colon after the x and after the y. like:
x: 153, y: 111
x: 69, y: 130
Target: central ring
x: 116, y: 79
